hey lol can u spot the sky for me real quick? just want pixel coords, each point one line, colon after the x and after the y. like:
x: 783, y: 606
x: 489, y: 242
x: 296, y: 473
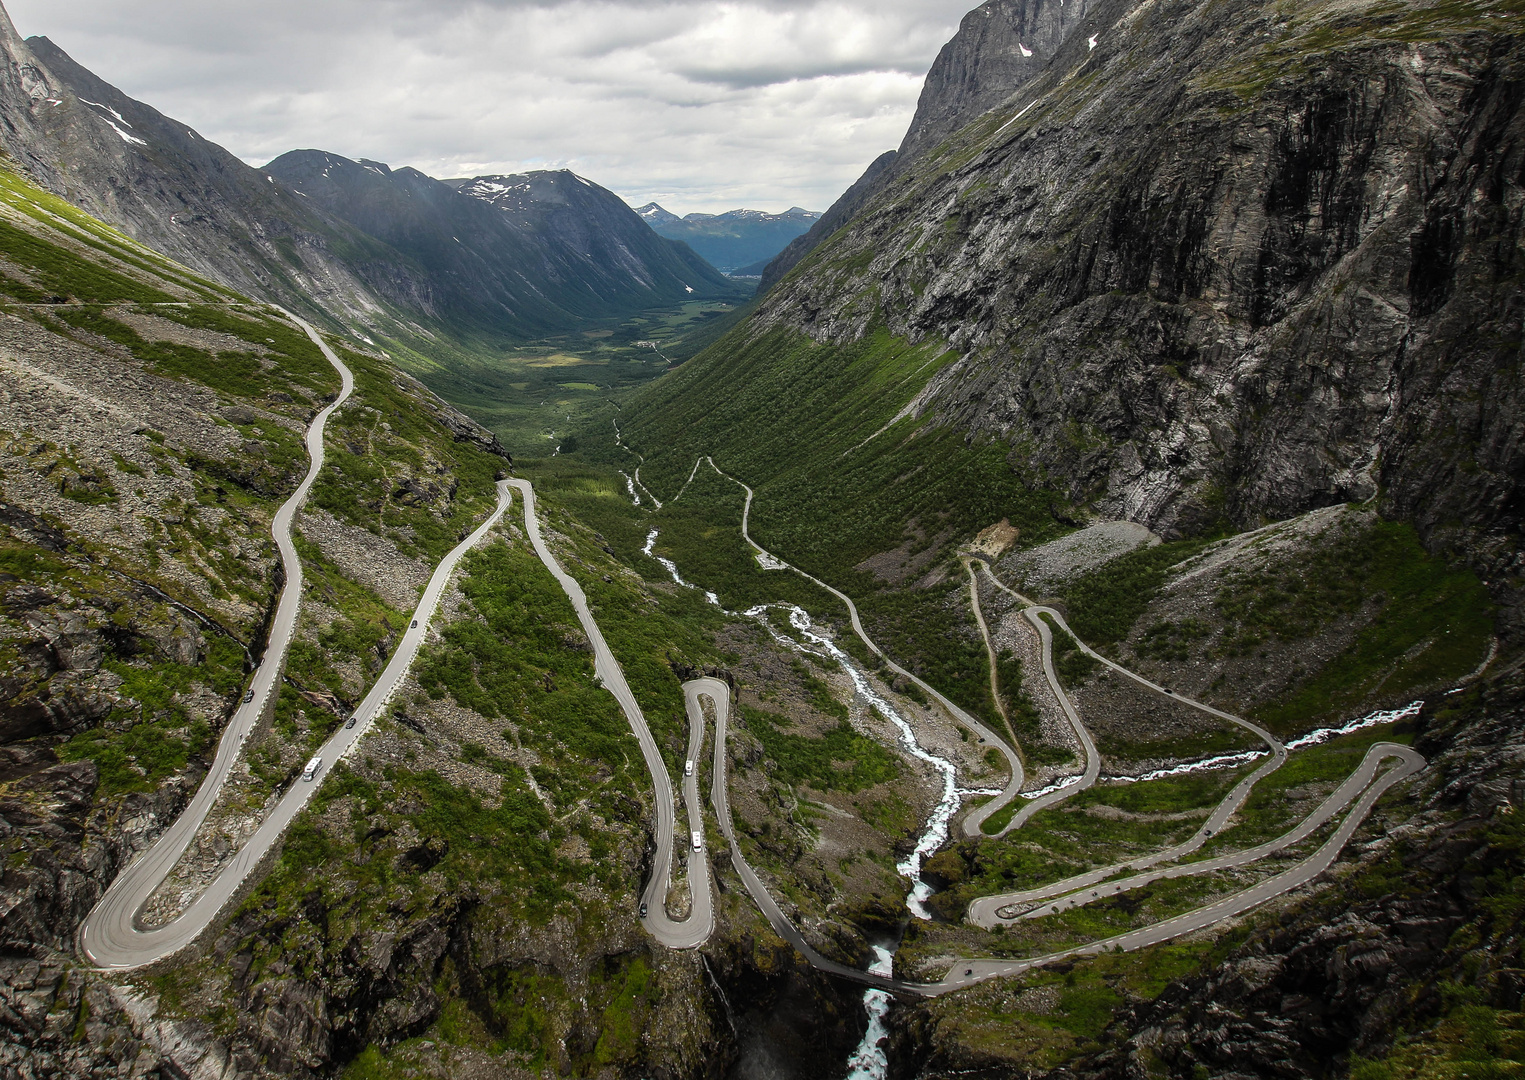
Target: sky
x: 762, y: 104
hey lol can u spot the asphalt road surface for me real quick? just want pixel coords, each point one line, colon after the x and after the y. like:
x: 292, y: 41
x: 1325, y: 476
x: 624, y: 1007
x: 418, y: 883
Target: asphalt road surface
x: 975, y: 817
x: 720, y: 694
x: 1365, y: 781
x: 968, y: 972
x: 1087, y: 744
x: 696, y: 929
x: 1338, y: 799
x: 985, y: 911
x: 111, y: 936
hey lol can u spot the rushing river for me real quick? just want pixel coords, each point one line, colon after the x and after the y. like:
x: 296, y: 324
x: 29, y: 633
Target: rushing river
x: 869, y: 1061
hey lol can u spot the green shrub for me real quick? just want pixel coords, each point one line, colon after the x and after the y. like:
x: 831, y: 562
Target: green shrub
x: 839, y: 760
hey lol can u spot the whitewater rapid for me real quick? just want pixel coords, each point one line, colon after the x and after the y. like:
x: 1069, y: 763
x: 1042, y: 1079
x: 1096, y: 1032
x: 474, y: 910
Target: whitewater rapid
x: 869, y: 1061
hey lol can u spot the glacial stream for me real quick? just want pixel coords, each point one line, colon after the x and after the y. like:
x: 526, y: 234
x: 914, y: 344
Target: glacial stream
x: 868, y: 1061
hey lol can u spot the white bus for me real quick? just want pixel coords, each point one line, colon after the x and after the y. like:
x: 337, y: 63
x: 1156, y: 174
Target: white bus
x: 312, y: 768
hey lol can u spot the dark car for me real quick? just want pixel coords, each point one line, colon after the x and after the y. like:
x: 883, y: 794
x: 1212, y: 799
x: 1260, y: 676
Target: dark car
x: 350, y: 722
x: 249, y: 697
x: 643, y: 911
x: 415, y: 625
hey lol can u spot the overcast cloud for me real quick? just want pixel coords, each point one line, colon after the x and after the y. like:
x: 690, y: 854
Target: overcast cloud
x: 700, y: 106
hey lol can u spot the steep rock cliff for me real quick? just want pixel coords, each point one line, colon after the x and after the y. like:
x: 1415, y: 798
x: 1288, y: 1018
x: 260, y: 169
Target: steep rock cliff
x: 1219, y: 263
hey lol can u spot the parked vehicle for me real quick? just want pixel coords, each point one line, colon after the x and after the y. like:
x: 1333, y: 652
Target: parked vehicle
x: 317, y: 763
x: 698, y: 840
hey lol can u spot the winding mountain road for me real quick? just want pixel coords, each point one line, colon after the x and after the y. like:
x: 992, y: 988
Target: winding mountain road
x: 1365, y: 779
x: 1216, y: 820
x: 109, y: 936
x: 696, y: 929
x: 1073, y: 893
x: 112, y: 935
x: 1363, y: 788
x: 976, y: 817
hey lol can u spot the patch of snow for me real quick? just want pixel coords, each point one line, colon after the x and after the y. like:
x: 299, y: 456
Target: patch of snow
x: 1019, y: 116
x: 108, y: 108
x: 1025, y: 50
x: 126, y: 136
x: 1091, y: 41
x: 688, y: 288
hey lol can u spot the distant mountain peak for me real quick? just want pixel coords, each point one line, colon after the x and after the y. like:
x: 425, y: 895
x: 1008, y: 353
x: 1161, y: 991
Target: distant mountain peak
x: 734, y: 239
x: 652, y: 213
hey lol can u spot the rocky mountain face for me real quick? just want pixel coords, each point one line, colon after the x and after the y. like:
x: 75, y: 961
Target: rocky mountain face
x: 161, y: 183
x: 733, y: 240
x: 374, y: 249
x: 527, y: 270
x: 999, y: 46
x: 1214, y: 265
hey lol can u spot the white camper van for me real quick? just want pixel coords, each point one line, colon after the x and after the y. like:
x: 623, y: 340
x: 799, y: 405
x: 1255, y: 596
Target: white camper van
x: 312, y: 768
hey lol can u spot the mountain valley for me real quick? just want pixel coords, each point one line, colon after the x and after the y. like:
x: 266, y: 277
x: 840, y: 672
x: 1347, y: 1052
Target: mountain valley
x: 1067, y: 624
x: 738, y: 242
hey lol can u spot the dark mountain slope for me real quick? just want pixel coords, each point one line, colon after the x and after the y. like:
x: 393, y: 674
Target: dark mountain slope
x: 568, y: 251
x: 999, y: 46
x: 477, y: 267
x: 167, y: 187
x: 589, y: 232
x: 387, y: 253
x: 1223, y: 265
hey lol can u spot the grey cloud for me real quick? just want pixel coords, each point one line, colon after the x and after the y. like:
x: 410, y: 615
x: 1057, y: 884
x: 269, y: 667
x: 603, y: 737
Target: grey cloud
x: 764, y: 103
